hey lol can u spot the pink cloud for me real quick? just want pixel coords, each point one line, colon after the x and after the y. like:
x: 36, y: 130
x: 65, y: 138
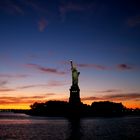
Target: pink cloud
x: 42, y: 24
x: 85, y: 65
x: 124, y: 67
x: 96, y: 66
x: 49, y: 84
x: 102, y: 67
x: 13, y: 75
x: 3, y: 88
x: 46, y: 69
x: 56, y: 83
x: 121, y: 66
x: 31, y: 86
x: 3, y: 82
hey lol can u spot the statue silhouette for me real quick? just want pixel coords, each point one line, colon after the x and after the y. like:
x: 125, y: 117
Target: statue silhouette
x: 75, y: 74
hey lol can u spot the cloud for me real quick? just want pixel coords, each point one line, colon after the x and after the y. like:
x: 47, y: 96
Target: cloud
x: 31, y: 86
x: 134, y: 21
x: 109, y: 91
x: 85, y: 65
x: 124, y: 67
x: 46, y: 9
x: 38, y: 6
x: 15, y: 100
x: 3, y: 82
x: 49, y: 84
x: 42, y: 24
x: 25, y: 99
x: 121, y: 66
x: 56, y: 83
x: 128, y: 96
x: 90, y: 98
x: 102, y: 67
x: 50, y: 94
x: 95, y: 66
x: 6, y: 89
x: 71, y: 7
x: 75, y: 6
x: 46, y: 69
x: 13, y: 75
x: 20, y: 7
x: 11, y: 7
x: 3, y: 88
x: 115, y: 97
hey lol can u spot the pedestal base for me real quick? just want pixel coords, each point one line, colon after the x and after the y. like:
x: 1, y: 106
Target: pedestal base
x: 74, y: 95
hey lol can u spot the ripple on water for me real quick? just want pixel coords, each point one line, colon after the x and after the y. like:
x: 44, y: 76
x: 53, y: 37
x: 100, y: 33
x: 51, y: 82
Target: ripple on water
x: 24, y: 127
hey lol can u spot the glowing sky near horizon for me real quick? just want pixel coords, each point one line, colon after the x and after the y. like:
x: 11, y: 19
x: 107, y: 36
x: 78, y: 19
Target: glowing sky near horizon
x: 39, y: 37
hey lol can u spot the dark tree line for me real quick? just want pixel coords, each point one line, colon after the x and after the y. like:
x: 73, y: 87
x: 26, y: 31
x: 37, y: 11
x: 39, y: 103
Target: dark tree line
x: 62, y: 108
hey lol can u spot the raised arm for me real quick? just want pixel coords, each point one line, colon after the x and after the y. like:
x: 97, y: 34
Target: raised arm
x: 71, y: 64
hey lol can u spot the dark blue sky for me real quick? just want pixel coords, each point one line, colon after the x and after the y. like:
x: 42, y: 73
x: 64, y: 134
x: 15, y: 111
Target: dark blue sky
x: 38, y: 37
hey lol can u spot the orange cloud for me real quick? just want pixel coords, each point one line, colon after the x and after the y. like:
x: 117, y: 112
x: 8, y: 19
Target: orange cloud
x: 115, y: 97
x: 131, y: 100
x: 6, y: 89
x: 25, y: 101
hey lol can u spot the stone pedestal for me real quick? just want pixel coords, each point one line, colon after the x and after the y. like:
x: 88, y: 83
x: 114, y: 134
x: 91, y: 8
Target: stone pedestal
x: 74, y: 95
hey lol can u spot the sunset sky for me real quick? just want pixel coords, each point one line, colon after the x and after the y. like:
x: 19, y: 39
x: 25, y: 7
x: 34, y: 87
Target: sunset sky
x: 39, y: 37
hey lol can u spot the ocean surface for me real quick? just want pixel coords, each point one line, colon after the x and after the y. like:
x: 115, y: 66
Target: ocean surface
x: 24, y: 127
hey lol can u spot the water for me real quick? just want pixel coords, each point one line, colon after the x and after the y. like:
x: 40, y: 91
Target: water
x: 24, y: 127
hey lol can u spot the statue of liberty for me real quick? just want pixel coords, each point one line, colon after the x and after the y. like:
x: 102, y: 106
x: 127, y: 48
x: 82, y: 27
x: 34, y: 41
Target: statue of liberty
x: 74, y: 99
x: 75, y: 74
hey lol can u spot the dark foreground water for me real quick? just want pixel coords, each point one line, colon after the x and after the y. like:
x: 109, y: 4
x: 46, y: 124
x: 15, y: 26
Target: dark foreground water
x: 24, y: 127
